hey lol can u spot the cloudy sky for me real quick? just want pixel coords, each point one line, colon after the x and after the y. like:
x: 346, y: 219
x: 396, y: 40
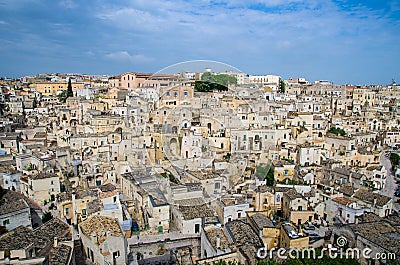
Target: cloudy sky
x: 345, y: 41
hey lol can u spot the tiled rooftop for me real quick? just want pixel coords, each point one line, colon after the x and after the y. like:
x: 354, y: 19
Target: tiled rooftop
x: 195, y: 211
x: 243, y: 234
x: 190, y: 202
x: 41, y: 238
x: 94, y: 207
x: 60, y: 255
x: 233, y: 200
x: 380, y: 233
x: 342, y: 171
x: 11, y: 201
x: 343, y: 200
x: 45, y: 234
x: 43, y: 175
x: 107, y: 187
x: 292, y: 194
x: 346, y: 190
x: 108, y: 194
x: 19, y: 238
x: 102, y: 227
x: 212, y: 235
x: 261, y: 221
x: 204, y: 174
x: 370, y: 197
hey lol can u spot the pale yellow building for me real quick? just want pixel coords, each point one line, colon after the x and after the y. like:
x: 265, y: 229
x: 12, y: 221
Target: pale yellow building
x: 54, y: 88
x: 267, y: 230
x: 41, y: 187
x: 283, y: 170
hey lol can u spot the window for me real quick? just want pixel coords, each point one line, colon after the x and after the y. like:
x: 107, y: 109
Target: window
x: 185, y: 94
x: 197, y: 228
x: 6, y: 222
x: 66, y: 210
x: 175, y: 94
x: 51, y: 182
x: 168, y: 93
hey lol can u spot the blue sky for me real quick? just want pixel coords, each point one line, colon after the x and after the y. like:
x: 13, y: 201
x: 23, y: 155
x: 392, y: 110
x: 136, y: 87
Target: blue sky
x: 355, y: 42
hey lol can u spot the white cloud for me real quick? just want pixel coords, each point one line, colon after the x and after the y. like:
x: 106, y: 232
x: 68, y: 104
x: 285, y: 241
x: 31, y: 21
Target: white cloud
x: 124, y: 56
x: 68, y: 4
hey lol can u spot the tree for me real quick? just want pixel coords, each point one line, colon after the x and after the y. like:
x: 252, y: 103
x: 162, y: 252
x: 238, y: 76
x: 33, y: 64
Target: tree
x: 266, y: 172
x: 70, y: 93
x: 210, y: 82
x: 62, y: 97
x: 268, y: 262
x: 282, y: 86
x: 47, y: 217
x: 231, y: 262
x: 394, y: 159
x: 337, y: 131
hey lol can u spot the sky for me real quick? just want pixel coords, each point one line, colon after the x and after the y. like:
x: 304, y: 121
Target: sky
x: 345, y: 41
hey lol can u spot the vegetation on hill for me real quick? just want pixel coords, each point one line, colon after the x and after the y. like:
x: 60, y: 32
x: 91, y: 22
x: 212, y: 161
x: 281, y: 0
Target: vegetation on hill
x: 337, y: 131
x: 62, y: 97
x: 210, y: 82
x: 265, y: 172
x: 394, y: 159
x: 282, y: 87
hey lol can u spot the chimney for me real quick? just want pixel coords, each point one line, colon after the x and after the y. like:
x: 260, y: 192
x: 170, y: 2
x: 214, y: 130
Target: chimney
x: 55, y: 242
x: 74, y: 219
x: 218, y: 243
x: 94, y: 238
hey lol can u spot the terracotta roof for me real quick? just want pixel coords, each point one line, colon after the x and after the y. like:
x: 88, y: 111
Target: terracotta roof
x: 343, y: 200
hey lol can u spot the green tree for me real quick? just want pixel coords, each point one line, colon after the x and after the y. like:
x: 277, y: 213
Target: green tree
x: 70, y: 93
x: 282, y: 86
x: 210, y: 82
x: 268, y: 262
x: 231, y: 262
x: 394, y: 159
x: 47, y: 217
x: 62, y: 97
x: 337, y: 131
x: 266, y: 172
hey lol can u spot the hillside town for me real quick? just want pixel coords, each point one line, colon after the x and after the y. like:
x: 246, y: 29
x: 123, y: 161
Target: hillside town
x: 195, y: 168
